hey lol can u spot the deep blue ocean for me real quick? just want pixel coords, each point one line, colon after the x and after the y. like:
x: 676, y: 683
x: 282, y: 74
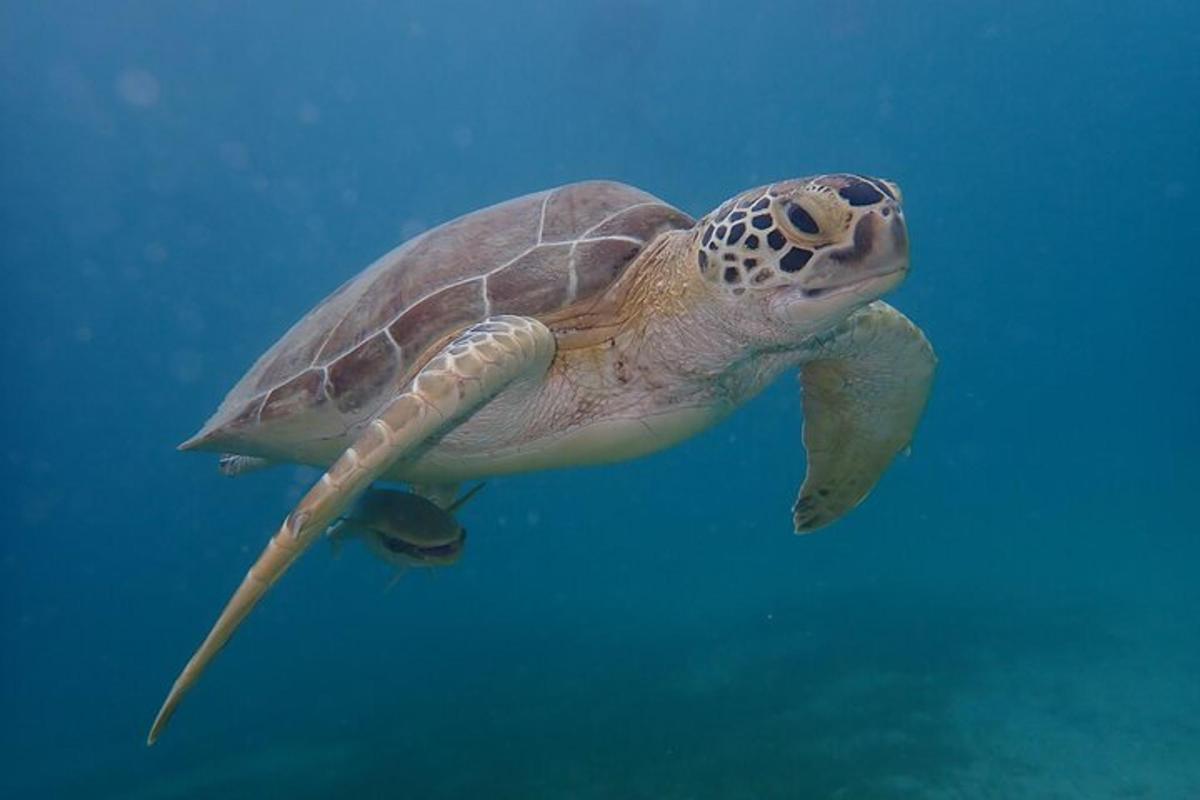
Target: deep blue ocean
x: 1013, y: 613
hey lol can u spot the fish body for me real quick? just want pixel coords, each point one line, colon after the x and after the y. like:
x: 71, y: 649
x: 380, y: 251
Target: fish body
x: 405, y: 529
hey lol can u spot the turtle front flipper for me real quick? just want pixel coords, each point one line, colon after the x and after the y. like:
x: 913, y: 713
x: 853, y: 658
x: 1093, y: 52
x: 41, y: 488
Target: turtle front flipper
x: 462, y: 377
x: 864, y: 391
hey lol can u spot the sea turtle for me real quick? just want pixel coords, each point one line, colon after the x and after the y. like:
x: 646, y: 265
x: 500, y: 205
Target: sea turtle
x: 588, y: 323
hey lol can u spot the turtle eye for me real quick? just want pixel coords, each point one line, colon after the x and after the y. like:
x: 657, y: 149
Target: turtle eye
x: 801, y: 220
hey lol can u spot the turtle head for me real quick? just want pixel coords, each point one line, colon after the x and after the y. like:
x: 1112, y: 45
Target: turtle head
x: 797, y: 256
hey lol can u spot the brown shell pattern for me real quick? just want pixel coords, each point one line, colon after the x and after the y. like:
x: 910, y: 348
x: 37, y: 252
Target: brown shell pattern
x: 532, y: 255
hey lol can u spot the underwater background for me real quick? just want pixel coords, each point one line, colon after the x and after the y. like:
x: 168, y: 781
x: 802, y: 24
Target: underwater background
x: 1013, y: 613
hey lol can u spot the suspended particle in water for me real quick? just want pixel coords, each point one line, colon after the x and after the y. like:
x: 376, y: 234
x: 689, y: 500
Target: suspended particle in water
x: 235, y: 155
x: 310, y: 113
x: 137, y: 87
x: 462, y: 136
x: 186, y: 366
x: 155, y: 252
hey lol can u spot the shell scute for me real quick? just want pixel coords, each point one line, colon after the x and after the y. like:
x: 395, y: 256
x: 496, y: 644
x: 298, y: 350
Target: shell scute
x: 572, y: 211
x: 642, y: 222
x: 603, y: 260
x: 372, y: 312
x: 301, y: 392
x: 359, y: 376
x: 531, y: 283
x: 431, y: 318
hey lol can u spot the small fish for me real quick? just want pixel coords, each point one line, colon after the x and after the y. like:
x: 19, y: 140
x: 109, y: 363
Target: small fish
x: 404, y: 529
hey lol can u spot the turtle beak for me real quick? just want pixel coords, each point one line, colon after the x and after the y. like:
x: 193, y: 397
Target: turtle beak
x: 879, y: 247
x: 838, y: 279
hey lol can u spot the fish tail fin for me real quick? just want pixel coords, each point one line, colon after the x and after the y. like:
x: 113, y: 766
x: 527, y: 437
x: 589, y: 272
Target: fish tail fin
x: 462, y: 501
x: 400, y: 573
x: 338, y: 533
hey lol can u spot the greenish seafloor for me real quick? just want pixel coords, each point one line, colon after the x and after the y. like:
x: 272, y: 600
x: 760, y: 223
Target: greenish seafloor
x: 982, y: 701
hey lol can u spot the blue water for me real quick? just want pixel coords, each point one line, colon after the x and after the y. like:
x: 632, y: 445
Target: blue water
x: 1012, y: 614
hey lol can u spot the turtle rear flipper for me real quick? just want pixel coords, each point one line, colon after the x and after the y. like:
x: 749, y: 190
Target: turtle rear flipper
x: 476, y: 366
x: 863, y: 395
x: 232, y: 465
